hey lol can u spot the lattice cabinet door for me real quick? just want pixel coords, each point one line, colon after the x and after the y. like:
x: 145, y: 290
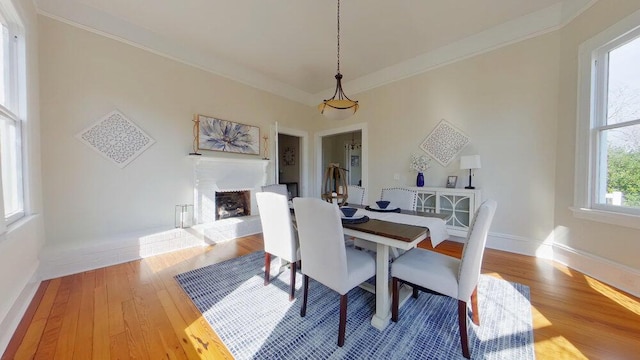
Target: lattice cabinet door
x: 459, y: 209
x: 427, y: 202
x: 458, y: 204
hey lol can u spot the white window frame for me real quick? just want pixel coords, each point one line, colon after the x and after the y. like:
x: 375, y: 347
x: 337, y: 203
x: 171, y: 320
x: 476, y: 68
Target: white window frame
x: 15, y: 105
x: 591, y: 111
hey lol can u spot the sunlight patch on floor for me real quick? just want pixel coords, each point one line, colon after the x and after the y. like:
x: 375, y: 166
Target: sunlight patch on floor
x: 563, y: 268
x: 157, y: 265
x: 560, y: 347
x: 539, y: 320
x: 615, y: 295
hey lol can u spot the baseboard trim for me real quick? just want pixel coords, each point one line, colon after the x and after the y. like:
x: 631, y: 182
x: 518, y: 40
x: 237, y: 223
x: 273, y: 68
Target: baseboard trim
x: 73, y: 259
x: 620, y: 276
x: 515, y: 244
x: 12, y: 319
x: 90, y: 255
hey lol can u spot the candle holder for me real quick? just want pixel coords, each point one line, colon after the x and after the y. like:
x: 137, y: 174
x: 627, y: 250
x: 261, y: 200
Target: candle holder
x: 196, y: 133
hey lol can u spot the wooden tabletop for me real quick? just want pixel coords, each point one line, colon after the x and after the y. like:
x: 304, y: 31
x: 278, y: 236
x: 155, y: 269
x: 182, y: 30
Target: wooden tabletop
x: 389, y: 229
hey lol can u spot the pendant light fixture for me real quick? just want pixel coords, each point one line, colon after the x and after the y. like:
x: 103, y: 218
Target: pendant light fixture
x: 353, y: 145
x: 338, y: 107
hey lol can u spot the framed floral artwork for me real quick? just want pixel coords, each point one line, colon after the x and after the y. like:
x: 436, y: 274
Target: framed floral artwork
x: 228, y: 136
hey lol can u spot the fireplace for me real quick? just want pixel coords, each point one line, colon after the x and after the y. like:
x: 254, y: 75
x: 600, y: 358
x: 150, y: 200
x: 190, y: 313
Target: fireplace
x: 232, y: 204
x: 221, y: 175
x: 215, y: 177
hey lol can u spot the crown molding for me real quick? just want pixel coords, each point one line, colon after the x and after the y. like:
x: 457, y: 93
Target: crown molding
x: 543, y: 21
x: 525, y: 27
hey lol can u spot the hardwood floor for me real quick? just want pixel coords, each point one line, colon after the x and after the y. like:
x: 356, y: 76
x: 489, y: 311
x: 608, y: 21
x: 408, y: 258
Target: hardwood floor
x: 137, y: 310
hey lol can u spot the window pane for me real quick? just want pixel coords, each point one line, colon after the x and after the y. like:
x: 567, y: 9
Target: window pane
x: 4, y: 64
x: 620, y: 179
x: 11, y: 167
x: 623, y: 96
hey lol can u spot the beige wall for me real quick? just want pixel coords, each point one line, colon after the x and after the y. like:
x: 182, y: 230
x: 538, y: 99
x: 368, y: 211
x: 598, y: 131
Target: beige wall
x: 83, y: 77
x: 517, y: 105
x: 505, y: 101
x: 615, y: 243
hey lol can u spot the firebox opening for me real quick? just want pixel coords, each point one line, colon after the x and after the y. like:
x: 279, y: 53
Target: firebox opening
x: 233, y: 204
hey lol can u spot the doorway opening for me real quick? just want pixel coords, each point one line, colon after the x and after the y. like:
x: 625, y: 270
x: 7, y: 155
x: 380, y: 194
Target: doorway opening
x: 289, y: 163
x: 344, y: 149
x: 346, y: 146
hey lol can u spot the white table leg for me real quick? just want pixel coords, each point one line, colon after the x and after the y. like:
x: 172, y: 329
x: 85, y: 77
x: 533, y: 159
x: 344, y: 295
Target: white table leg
x: 382, y: 316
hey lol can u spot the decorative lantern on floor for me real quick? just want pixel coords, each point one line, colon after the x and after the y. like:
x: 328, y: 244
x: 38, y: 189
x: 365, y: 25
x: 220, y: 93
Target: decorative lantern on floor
x: 335, y: 185
x: 184, y: 216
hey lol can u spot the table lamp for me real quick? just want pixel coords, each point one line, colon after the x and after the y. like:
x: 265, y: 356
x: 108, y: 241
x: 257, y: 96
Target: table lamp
x: 470, y: 162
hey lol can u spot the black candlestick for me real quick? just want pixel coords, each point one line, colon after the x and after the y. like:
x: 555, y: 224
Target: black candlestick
x: 469, y: 187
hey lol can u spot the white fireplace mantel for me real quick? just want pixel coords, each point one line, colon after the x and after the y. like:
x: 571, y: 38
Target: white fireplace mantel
x: 213, y: 174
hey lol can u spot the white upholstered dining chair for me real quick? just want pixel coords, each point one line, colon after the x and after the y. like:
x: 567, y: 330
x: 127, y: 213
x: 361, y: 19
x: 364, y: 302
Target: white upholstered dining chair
x: 276, y: 188
x: 325, y: 257
x: 402, y: 198
x: 356, y: 195
x: 280, y: 238
x: 405, y: 199
x: 456, y: 278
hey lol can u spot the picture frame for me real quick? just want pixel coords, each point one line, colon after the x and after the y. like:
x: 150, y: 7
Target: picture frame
x: 355, y: 160
x: 451, y: 181
x: 227, y: 136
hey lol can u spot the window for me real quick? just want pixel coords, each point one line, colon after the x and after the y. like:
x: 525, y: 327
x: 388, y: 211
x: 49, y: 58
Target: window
x: 608, y: 143
x: 10, y: 120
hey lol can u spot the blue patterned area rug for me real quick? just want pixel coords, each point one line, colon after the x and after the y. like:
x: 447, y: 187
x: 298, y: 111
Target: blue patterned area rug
x: 259, y: 322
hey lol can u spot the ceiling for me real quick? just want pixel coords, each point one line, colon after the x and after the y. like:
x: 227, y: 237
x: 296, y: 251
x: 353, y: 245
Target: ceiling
x: 288, y: 47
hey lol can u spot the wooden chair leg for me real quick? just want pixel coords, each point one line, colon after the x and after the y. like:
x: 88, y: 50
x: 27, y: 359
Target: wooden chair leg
x: 343, y: 319
x: 292, y: 279
x: 415, y: 293
x: 475, y: 315
x: 267, y: 267
x: 305, y: 290
x: 394, y: 299
x: 462, y: 324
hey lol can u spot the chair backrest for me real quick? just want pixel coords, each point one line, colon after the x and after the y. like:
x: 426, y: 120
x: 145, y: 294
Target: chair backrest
x: 400, y: 197
x: 277, y: 228
x: 473, y: 250
x: 276, y: 188
x: 356, y: 195
x: 322, y: 247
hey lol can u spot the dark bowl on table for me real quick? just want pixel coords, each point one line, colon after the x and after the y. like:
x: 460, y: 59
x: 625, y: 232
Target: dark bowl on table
x: 382, y: 204
x: 348, y: 212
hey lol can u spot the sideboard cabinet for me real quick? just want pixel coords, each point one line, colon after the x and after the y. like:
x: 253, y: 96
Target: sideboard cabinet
x: 458, y: 204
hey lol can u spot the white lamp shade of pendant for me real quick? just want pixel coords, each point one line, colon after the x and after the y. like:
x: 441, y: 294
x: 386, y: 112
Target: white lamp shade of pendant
x: 470, y: 162
x: 338, y: 109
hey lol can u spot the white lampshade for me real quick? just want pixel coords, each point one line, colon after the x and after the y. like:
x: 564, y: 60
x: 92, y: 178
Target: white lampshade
x: 470, y: 162
x: 338, y: 109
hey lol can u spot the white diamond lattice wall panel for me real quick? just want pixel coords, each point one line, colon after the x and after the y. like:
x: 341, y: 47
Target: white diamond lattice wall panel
x: 444, y: 143
x: 116, y: 138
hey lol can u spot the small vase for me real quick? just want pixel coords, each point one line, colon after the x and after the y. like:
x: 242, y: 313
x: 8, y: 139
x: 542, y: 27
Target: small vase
x: 420, y: 180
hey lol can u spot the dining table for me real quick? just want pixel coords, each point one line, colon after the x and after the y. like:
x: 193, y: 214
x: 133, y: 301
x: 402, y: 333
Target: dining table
x: 402, y: 229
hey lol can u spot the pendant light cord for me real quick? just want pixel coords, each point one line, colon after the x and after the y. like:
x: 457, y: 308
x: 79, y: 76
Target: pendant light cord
x: 338, y: 36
